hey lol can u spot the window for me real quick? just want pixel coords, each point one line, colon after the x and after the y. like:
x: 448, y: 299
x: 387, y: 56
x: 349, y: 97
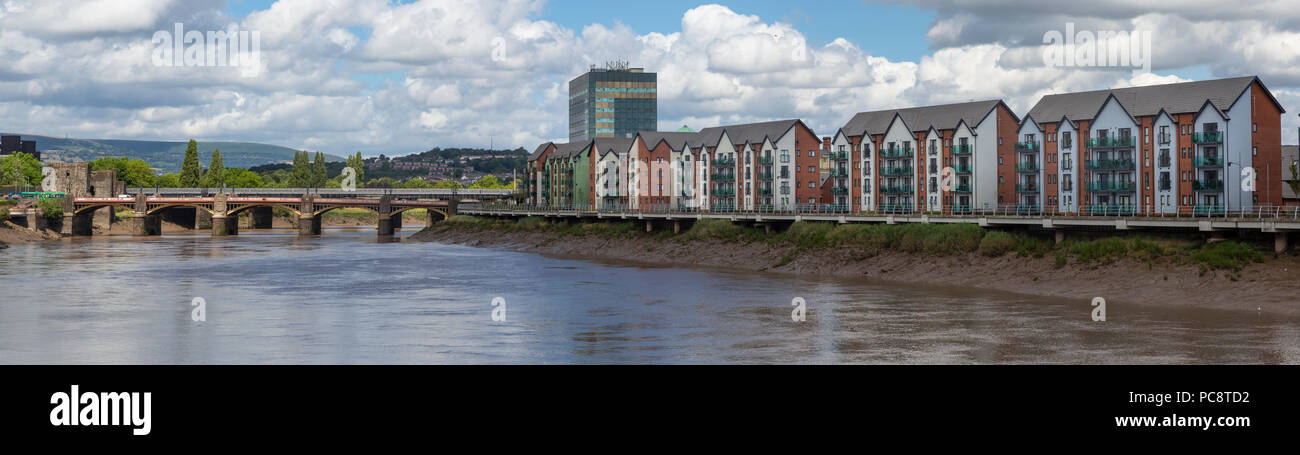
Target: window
x: 812, y: 153
x: 811, y: 185
x: 1254, y: 127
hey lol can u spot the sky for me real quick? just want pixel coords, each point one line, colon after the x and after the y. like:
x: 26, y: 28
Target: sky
x: 400, y: 77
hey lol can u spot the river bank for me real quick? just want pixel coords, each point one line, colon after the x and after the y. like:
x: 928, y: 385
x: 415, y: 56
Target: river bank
x: 1180, y: 271
x: 11, y: 233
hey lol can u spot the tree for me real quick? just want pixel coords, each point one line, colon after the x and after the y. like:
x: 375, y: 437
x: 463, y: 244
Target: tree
x: 168, y: 180
x: 300, y: 176
x: 216, y: 175
x: 20, y: 169
x: 359, y: 165
x: 243, y: 178
x: 417, y: 183
x: 488, y: 182
x: 133, y: 172
x: 191, y: 173
x: 318, y: 173
x: 446, y: 184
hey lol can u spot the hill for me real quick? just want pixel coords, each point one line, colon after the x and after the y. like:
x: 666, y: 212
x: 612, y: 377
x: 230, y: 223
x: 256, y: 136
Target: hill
x: 167, y: 156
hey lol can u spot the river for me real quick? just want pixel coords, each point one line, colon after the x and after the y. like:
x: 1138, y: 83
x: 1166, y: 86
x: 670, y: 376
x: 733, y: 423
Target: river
x: 345, y: 297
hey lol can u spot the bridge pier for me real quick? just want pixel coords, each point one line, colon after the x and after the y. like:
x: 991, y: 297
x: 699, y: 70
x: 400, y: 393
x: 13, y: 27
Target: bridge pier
x: 263, y: 217
x: 1280, y: 242
x: 397, y: 222
x: 76, y: 224
x: 309, y: 225
x: 1060, y: 236
x: 434, y: 217
x: 385, y: 226
x: 225, y: 225
x: 143, y: 224
x: 202, y: 219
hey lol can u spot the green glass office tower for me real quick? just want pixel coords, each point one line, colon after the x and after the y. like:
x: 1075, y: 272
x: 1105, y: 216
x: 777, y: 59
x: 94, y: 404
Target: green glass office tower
x: 616, y: 101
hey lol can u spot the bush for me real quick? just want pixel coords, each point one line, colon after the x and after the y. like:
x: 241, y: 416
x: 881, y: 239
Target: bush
x: 997, y: 243
x: 52, y: 208
x: 1227, y: 255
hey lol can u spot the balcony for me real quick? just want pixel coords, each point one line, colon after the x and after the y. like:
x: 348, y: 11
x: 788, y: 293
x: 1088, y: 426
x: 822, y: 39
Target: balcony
x: 723, y: 177
x: 963, y: 188
x: 764, y: 160
x: 897, y: 153
x: 1207, y: 137
x: 724, y: 192
x: 1207, y: 185
x: 1109, y: 209
x: 1208, y: 161
x: 1027, y: 167
x: 1026, y: 147
x: 1111, y: 165
x: 959, y: 149
x: 1110, y: 187
x: 897, y: 171
x: 838, y: 156
x: 960, y: 169
x: 896, y: 189
x: 764, y: 191
x: 765, y: 176
x: 1112, y: 142
x: 839, y: 190
x: 1027, y: 188
x: 724, y: 162
x: 839, y: 172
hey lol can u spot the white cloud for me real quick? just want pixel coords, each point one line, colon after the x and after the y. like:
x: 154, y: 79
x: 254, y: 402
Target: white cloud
x: 396, y: 78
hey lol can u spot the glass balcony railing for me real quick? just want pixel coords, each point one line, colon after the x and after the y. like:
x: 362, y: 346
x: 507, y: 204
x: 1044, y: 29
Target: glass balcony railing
x: 1027, y: 167
x: 764, y: 160
x: 1103, y: 165
x: 964, y: 188
x: 897, y: 171
x: 1208, y: 161
x: 724, y: 192
x: 839, y: 190
x: 1109, y: 209
x: 1112, y: 186
x: 765, y: 176
x: 897, y: 153
x: 764, y: 191
x: 1112, y: 142
x: 1027, y: 188
x: 1026, y: 147
x: 1207, y: 137
x: 1207, y: 185
x: 895, y: 189
x: 724, y: 162
x: 896, y: 208
x: 839, y: 172
x: 839, y: 155
x: 723, y: 177
x: 960, y: 149
x: 962, y: 169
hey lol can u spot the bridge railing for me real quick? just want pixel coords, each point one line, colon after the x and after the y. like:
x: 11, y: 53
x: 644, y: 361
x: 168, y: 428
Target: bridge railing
x: 359, y: 192
x: 1118, y: 211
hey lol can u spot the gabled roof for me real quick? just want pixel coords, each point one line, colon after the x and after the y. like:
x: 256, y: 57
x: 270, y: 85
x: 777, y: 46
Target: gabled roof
x: 1184, y: 97
x: 1030, y: 119
x: 1222, y: 115
x: 675, y: 140
x: 616, y: 145
x: 1111, y: 97
x: 942, y: 117
x: 570, y: 149
x: 753, y: 133
x: 538, y: 153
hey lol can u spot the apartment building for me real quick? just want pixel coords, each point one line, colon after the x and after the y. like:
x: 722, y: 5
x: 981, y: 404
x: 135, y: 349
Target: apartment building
x: 894, y: 160
x: 1161, y: 149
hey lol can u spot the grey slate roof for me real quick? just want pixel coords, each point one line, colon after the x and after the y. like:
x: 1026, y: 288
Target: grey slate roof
x: 677, y: 141
x: 747, y: 133
x: 569, y: 149
x: 616, y: 144
x: 1144, y: 101
x: 538, y: 153
x: 942, y: 117
x: 1290, y: 153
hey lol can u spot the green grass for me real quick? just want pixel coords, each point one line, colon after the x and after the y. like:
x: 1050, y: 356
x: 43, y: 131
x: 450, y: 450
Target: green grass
x: 1227, y: 256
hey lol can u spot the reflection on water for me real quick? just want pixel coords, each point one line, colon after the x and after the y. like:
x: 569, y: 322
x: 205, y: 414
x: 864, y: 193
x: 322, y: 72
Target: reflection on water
x: 346, y: 297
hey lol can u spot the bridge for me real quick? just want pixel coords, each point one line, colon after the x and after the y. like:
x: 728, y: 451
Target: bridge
x: 1280, y: 221
x: 224, y: 207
